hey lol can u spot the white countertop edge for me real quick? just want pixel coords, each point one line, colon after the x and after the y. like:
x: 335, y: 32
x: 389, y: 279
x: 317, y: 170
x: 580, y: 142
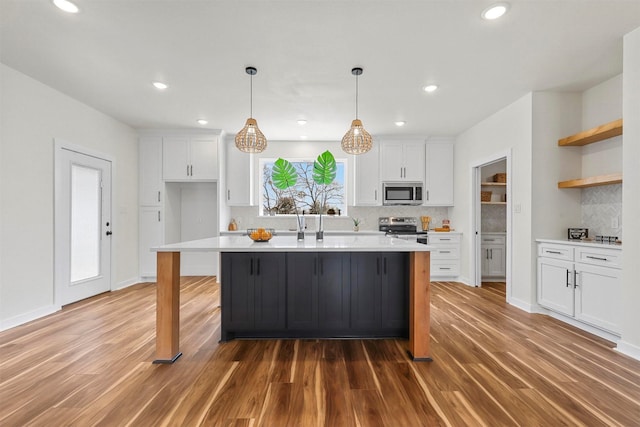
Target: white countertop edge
x: 580, y: 243
x: 290, y: 244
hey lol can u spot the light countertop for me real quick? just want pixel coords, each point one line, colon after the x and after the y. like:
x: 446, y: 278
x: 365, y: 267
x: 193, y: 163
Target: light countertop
x: 592, y: 244
x: 243, y: 232
x: 351, y: 243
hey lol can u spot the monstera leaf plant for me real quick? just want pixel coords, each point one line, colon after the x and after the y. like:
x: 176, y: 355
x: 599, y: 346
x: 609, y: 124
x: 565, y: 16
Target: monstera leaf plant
x: 324, y: 172
x: 284, y: 177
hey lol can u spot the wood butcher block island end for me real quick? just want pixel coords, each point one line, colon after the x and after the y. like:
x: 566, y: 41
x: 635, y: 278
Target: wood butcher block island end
x: 342, y: 287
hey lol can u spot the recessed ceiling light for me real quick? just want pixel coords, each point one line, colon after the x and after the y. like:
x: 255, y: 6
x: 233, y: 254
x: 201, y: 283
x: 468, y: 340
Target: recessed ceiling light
x: 66, y: 5
x: 495, y: 11
x: 430, y: 88
x: 302, y: 122
x: 160, y: 85
x: 202, y: 121
x: 400, y: 123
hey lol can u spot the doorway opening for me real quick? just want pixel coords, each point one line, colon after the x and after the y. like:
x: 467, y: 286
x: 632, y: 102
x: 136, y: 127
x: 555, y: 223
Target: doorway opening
x: 491, y: 222
x: 82, y: 224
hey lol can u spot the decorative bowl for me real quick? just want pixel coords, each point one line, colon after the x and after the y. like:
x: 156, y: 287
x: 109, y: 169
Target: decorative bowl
x: 260, y: 234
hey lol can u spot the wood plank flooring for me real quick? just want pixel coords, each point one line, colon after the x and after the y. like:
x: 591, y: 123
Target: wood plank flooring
x: 494, y: 365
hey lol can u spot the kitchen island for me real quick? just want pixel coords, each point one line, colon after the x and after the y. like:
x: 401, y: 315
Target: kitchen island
x: 247, y: 265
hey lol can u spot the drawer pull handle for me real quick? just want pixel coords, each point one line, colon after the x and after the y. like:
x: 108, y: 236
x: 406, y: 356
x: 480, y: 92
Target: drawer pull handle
x: 445, y: 268
x: 554, y: 252
x: 596, y: 258
x: 445, y: 252
x: 445, y: 239
x: 489, y: 240
x: 568, y: 278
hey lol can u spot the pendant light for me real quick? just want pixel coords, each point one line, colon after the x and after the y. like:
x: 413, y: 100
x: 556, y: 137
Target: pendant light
x: 357, y: 140
x: 250, y: 139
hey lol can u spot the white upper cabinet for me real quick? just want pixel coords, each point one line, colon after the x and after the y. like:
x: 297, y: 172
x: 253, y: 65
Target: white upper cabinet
x: 150, y: 165
x: 190, y: 158
x: 402, y: 161
x: 367, y: 178
x: 239, y: 176
x: 438, y: 184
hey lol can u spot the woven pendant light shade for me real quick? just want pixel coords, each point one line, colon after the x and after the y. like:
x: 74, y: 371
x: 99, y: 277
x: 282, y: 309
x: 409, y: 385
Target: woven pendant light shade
x: 357, y: 140
x: 250, y: 139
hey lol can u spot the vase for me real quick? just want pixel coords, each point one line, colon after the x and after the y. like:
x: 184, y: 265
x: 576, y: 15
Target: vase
x: 356, y: 228
x: 320, y: 232
x: 301, y: 227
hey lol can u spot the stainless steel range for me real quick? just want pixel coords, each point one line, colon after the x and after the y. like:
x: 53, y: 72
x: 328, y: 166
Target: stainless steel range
x: 402, y: 227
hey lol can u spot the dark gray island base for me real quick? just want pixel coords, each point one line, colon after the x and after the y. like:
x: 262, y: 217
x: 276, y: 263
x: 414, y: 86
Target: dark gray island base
x: 315, y: 295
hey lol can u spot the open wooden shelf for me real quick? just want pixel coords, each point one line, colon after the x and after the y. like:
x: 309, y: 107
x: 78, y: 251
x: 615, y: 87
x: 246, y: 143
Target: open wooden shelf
x: 596, y: 134
x: 494, y: 184
x: 592, y: 181
x: 494, y: 203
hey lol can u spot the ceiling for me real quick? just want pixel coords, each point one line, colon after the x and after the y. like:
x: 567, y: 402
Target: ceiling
x: 108, y: 55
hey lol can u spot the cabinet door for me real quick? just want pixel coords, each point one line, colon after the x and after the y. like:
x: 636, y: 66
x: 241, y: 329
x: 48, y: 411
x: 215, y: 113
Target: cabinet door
x: 150, y: 164
x: 392, y: 161
x: 366, y: 275
x: 333, y: 290
x: 598, y: 296
x: 302, y: 291
x: 367, y: 174
x: 395, y: 290
x: 175, y: 159
x: 493, y: 261
x: 239, y: 174
x: 237, y: 301
x: 269, y: 290
x: 438, y: 190
x: 203, y: 159
x: 414, y: 158
x: 150, y: 235
x: 555, y: 285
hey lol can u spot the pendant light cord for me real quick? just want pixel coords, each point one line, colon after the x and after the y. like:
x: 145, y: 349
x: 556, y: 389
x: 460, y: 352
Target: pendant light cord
x: 356, y: 97
x: 251, y: 102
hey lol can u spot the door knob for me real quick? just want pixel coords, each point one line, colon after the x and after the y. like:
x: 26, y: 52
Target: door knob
x: 109, y: 233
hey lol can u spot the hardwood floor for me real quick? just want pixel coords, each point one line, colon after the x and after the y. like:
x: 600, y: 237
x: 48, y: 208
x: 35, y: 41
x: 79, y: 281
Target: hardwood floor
x: 494, y: 365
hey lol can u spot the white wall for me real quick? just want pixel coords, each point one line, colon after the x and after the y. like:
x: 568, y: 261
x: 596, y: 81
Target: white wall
x: 32, y: 115
x: 508, y: 129
x: 630, y: 342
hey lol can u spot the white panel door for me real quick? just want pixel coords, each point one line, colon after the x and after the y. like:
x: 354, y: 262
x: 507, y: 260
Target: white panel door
x: 414, y: 159
x: 555, y: 285
x: 368, y: 191
x: 203, y: 159
x: 150, y: 164
x: 598, y: 296
x: 83, y: 226
x: 239, y: 173
x: 438, y: 189
x: 392, y: 161
x: 175, y: 159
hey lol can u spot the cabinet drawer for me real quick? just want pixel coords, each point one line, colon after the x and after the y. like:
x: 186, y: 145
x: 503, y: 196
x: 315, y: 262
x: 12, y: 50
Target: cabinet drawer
x: 445, y: 268
x: 435, y: 238
x: 549, y: 250
x: 599, y: 256
x: 493, y: 239
x: 448, y: 252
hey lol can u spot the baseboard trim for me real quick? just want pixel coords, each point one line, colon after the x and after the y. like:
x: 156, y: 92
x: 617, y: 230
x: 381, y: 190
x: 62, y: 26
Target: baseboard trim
x: 522, y: 305
x: 126, y: 283
x: 628, y: 349
x: 21, y: 319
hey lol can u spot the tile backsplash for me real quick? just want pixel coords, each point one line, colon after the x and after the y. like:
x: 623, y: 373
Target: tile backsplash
x: 601, y: 206
x: 494, y: 218
x: 247, y: 217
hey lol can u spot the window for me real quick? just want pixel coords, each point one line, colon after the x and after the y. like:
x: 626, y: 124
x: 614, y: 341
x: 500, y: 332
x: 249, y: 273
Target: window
x: 306, y: 196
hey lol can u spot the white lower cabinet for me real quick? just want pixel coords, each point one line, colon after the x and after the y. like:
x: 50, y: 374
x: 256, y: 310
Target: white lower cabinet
x: 494, y: 260
x: 582, y: 283
x: 445, y: 259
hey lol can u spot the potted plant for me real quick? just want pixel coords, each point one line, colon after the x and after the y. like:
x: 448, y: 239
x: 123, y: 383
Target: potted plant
x: 356, y: 224
x: 324, y: 172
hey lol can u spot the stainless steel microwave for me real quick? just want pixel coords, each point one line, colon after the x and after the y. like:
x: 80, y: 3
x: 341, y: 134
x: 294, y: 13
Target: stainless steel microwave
x: 401, y: 193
